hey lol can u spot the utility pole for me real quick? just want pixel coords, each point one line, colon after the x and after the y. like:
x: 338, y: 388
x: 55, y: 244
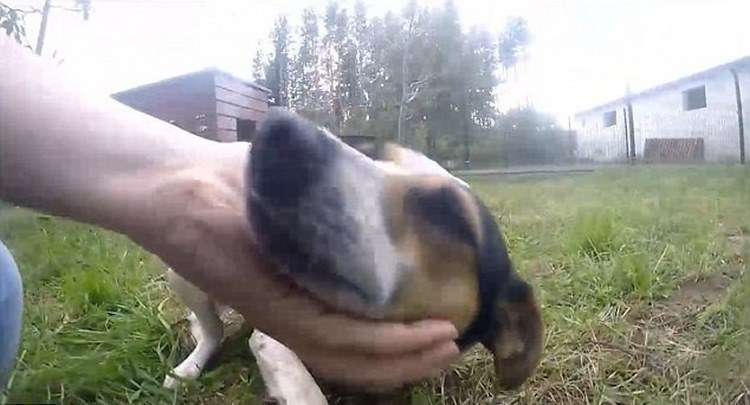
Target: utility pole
x: 43, y: 27
x: 82, y: 6
x: 740, y: 120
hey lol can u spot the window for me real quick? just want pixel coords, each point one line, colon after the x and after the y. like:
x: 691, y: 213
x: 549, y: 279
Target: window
x: 245, y: 130
x: 610, y: 118
x: 693, y: 99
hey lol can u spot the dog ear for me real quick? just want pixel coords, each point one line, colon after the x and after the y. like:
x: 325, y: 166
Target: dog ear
x: 413, y: 162
x: 518, y: 338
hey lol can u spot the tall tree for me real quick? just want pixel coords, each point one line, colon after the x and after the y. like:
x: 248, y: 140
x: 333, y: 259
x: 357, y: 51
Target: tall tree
x: 346, y: 90
x: 330, y: 66
x: 442, y: 105
x: 261, y: 65
x: 382, y: 75
x: 412, y: 80
x: 81, y: 6
x: 277, y: 76
x: 306, y: 89
x: 480, y: 63
x: 513, y: 42
x: 414, y: 76
x: 359, y: 32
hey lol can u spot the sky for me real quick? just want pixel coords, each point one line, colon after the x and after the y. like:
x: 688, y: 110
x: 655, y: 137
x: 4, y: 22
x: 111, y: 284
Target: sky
x: 583, y: 52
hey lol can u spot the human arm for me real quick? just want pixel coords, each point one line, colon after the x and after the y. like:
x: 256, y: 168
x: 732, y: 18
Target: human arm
x: 182, y: 197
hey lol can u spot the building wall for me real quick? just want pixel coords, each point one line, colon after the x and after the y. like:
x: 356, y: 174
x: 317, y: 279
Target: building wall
x: 744, y: 75
x: 236, y: 99
x: 660, y: 114
x: 595, y: 141
x: 188, y: 102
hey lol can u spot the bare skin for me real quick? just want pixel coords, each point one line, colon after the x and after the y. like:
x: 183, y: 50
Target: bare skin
x: 182, y: 197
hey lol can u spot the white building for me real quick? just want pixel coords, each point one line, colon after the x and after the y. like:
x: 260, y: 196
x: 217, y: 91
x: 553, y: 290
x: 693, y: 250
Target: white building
x: 699, y: 117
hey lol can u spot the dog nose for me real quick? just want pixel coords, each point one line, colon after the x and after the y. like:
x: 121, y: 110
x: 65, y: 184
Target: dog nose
x: 288, y: 156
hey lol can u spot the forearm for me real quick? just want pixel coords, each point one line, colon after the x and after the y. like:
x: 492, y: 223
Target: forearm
x: 82, y: 156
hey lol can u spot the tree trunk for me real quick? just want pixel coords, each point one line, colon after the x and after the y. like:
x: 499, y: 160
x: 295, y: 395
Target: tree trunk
x: 402, y: 104
x: 465, y: 124
x: 43, y: 27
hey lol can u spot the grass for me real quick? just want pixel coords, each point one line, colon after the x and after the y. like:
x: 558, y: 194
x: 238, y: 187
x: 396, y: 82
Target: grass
x: 640, y: 271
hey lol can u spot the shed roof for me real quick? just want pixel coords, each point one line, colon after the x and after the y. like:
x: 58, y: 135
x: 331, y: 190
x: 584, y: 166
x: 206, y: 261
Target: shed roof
x: 744, y: 61
x: 209, y: 70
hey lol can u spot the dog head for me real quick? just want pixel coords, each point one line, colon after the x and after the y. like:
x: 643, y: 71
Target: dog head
x: 391, y: 237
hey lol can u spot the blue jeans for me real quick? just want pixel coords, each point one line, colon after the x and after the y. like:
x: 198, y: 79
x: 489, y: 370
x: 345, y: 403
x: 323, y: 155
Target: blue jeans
x: 11, y: 310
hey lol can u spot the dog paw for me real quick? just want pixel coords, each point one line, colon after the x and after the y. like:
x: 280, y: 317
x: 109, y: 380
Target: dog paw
x: 189, y: 372
x: 170, y: 382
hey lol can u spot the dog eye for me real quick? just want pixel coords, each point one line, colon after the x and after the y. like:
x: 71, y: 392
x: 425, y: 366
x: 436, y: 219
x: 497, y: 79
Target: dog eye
x: 441, y: 207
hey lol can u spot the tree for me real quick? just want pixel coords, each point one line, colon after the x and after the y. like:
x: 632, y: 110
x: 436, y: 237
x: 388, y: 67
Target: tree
x: 306, y: 94
x: 513, y: 42
x: 445, y: 92
x: 347, y: 83
x: 480, y: 63
x: 380, y: 77
x: 277, y: 75
x: 12, y: 22
x: 81, y: 6
x: 261, y: 64
x: 410, y: 86
x: 415, y: 76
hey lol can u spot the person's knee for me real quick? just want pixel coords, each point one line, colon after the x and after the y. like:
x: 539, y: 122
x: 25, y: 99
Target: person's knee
x: 11, y: 309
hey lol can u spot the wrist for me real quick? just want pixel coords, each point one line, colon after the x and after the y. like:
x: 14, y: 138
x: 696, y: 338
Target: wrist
x: 171, y: 204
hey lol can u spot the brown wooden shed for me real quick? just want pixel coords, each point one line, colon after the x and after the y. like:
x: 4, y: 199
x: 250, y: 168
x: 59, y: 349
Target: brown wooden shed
x: 210, y: 103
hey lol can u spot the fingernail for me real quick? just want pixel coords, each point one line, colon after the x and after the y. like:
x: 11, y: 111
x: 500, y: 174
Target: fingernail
x: 451, y: 349
x: 448, y: 354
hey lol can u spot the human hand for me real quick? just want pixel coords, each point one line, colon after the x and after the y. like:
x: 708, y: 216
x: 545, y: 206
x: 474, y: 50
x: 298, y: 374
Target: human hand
x: 194, y: 218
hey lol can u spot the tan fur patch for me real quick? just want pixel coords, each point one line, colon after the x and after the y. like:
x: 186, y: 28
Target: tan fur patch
x: 445, y: 283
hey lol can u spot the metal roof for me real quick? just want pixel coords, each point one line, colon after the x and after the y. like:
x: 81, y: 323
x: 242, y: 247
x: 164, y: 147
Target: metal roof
x: 744, y: 61
x: 211, y: 70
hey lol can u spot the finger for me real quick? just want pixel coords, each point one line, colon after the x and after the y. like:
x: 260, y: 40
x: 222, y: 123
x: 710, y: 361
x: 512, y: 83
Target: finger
x: 375, y: 373
x: 377, y: 338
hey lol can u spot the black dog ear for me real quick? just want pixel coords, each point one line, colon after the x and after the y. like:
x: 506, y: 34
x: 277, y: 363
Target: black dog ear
x: 518, y: 339
x: 517, y: 291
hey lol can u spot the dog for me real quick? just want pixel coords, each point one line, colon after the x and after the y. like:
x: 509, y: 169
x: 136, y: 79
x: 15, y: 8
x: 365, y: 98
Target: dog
x: 388, y: 235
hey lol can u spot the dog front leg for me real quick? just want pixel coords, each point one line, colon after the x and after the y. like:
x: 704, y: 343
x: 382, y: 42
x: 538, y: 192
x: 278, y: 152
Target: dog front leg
x: 205, y: 325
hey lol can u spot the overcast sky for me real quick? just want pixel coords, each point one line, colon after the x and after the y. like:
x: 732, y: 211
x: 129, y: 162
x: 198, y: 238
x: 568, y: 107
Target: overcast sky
x: 584, y: 52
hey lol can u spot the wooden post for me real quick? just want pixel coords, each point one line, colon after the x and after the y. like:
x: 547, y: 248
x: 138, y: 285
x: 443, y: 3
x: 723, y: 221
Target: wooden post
x: 627, y: 137
x: 632, y: 131
x: 740, y: 119
x: 43, y: 27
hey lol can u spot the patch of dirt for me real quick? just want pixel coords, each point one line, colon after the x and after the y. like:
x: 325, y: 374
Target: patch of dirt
x: 662, y: 336
x: 739, y: 247
x: 695, y: 295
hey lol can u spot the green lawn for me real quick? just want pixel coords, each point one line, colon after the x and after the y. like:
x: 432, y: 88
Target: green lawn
x: 641, y: 274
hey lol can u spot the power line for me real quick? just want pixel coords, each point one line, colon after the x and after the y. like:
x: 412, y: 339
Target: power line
x: 37, y: 4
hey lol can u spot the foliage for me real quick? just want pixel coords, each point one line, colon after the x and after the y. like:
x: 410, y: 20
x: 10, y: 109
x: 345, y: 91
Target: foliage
x: 415, y: 76
x: 522, y: 136
x: 277, y: 71
x: 513, y: 42
x: 12, y: 23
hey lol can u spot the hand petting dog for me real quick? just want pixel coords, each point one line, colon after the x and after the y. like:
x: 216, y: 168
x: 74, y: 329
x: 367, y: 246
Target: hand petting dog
x: 91, y: 159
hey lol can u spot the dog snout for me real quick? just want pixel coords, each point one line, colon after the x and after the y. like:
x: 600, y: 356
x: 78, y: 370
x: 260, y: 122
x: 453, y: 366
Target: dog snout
x: 288, y: 157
